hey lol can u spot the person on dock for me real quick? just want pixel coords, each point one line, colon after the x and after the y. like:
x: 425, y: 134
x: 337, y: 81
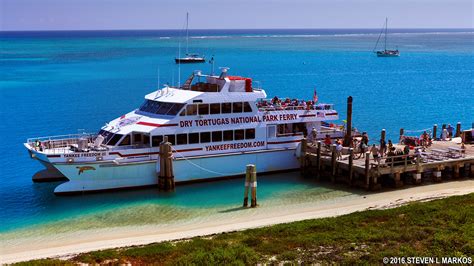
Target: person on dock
x: 406, y: 150
x: 450, y: 131
x: 314, y: 135
x: 444, y: 134
x: 339, y: 149
x: 375, y: 153
x: 327, y: 141
x: 362, y: 148
x: 365, y: 138
x: 383, y: 147
x: 390, y: 145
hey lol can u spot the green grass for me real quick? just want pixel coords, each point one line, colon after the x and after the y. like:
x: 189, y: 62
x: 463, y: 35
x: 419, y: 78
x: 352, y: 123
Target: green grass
x: 437, y: 228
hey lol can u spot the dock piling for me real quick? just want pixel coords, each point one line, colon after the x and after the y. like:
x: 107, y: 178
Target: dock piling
x: 248, y: 173
x: 348, y: 135
x: 333, y: 162
x: 166, y: 176
x: 367, y: 170
x: 351, y: 162
x: 253, y: 185
x: 435, y: 127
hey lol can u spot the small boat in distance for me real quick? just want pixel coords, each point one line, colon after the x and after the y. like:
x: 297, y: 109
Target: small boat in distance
x: 385, y: 52
x: 189, y: 58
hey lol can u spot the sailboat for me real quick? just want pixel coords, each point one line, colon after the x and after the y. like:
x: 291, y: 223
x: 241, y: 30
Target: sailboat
x: 385, y: 52
x: 189, y: 57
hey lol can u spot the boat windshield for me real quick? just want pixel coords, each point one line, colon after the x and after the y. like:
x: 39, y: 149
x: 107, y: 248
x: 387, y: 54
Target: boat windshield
x: 161, y: 108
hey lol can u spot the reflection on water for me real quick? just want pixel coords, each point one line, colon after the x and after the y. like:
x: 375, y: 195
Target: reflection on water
x: 193, y: 203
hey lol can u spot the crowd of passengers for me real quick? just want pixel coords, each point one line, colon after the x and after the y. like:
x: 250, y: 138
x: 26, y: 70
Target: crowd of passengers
x: 281, y: 104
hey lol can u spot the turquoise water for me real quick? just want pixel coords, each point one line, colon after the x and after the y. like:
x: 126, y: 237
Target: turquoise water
x: 57, y: 83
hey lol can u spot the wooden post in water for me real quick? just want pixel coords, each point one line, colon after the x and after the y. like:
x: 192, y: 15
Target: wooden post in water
x: 333, y: 162
x: 458, y: 129
x: 367, y: 170
x: 248, y: 173
x: 166, y: 177
x: 351, y: 163
x: 253, y: 185
x: 435, y: 127
x: 318, y: 160
x: 348, y: 136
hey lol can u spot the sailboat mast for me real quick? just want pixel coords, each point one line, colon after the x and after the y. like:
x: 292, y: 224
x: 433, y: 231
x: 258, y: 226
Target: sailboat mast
x: 187, y: 31
x: 386, y: 26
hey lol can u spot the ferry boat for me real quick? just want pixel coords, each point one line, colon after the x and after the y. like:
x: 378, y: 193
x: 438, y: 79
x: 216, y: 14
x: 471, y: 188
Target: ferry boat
x: 217, y: 124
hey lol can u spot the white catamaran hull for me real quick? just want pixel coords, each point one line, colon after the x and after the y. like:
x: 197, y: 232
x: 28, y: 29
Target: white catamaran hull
x: 109, y: 175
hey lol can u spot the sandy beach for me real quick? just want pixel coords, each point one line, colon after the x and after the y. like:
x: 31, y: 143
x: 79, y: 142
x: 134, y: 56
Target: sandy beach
x: 88, y: 240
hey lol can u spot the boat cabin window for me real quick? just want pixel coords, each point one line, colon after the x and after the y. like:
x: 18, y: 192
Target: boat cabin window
x: 239, y: 134
x: 146, y: 140
x: 203, y: 109
x: 216, y: 136
x: 237, y: 107
x: 156, y: 140
x: 291, y: 129
x: 250, y: 133
x: 106, y: 134
x: 137, y: 138
x: 161, y: 108
x: 205, y: 137
x: 226, y: 108
x: 215, y: 108
x: 181, y: 139
x: 247, y: 107
x: 114, y: 139
x: 191, y: 109
x: 125, y: 141
x: 228, y: 135
x: 171, y: 139
x: 193, y: 138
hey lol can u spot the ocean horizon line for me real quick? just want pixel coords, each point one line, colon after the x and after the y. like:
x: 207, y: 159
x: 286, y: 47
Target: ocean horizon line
x: 223, y: 29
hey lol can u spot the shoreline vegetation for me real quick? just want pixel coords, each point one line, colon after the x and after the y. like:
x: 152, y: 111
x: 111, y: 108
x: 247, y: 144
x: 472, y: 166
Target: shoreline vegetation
x: 426, y: 228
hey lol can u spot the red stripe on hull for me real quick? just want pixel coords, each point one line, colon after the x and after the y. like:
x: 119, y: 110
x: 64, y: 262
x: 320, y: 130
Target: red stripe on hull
x: 307, y: 115
x: 155, y: 125
x: 150, y: 153
x: 283, y: 142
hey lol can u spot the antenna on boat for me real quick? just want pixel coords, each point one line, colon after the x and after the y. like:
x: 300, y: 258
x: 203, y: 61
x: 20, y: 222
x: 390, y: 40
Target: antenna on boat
x: 159, y: 88
x: 187, y: 32
x: 179, y: 67
x: 212, y: 65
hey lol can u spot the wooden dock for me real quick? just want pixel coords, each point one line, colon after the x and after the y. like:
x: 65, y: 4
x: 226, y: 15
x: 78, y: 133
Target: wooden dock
x: 441, y: 160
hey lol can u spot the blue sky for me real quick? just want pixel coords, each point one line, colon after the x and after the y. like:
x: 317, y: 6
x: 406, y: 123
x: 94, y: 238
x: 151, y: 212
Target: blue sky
x: 237, y: 14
